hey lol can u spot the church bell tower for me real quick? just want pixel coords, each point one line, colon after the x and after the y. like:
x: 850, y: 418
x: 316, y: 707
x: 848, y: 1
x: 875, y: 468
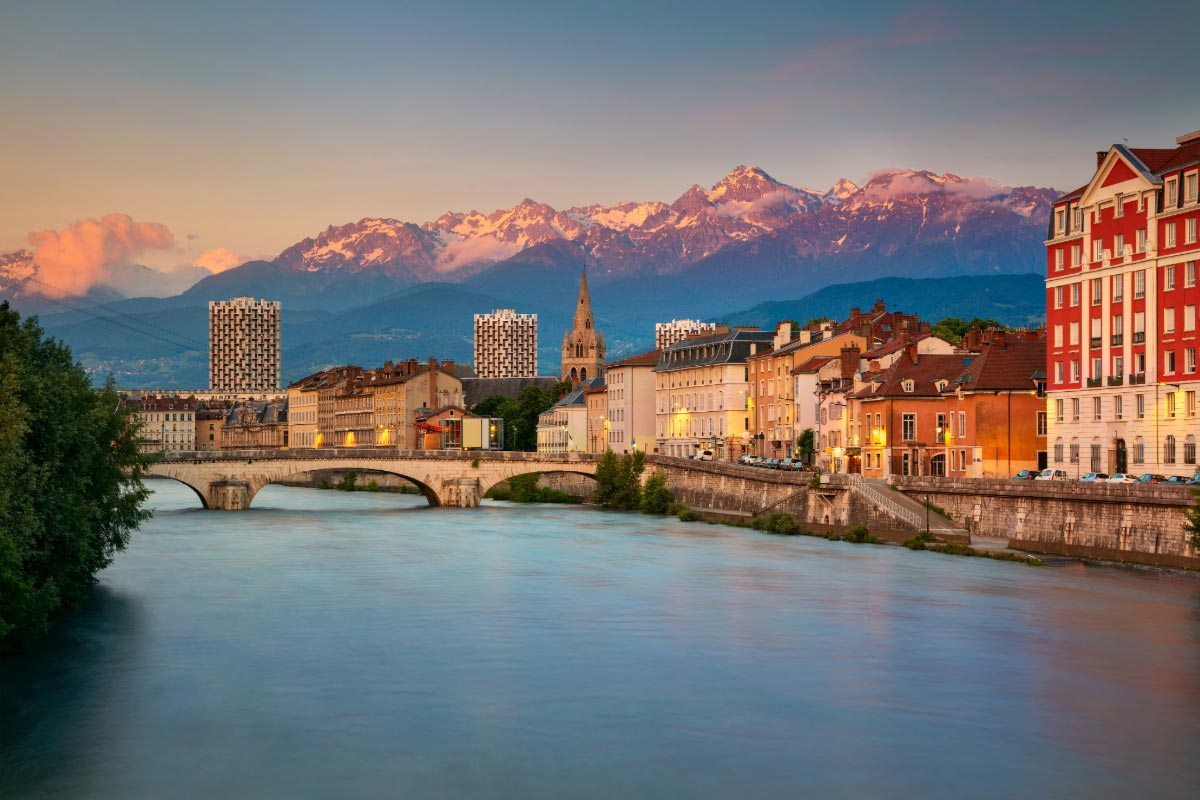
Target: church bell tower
x: 583, y: 347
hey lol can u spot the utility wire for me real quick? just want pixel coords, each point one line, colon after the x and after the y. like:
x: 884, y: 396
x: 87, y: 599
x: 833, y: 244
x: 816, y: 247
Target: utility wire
x: 135, y: 320
x: 182, y: 347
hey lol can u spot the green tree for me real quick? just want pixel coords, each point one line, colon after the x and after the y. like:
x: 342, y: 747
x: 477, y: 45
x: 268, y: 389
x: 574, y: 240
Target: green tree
x: 807, y: 445
x: 1191, y: 525
x: 520, y: 414
x: 70, y: 480
x: 953, y: 329
x: 656, y: 497
x: 618, y: 480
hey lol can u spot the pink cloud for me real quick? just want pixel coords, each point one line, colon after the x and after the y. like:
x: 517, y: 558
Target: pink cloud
x: 84, y: 253
x: 219, y: 259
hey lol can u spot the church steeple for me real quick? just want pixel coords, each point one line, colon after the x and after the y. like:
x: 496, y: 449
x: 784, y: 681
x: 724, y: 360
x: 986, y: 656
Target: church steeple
x: 583, y: 346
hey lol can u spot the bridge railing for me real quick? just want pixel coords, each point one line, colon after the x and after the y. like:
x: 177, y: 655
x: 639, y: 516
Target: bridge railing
x: 884, y: 503
x: 373, y: 453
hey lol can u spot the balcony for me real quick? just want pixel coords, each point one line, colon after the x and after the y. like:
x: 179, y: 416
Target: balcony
x: 1094, y: 342
x: 1139, y: 337
x: 1118, y: 339
x: 1092, y: 382
x: 1137, y: 380
x: 1115, y: 380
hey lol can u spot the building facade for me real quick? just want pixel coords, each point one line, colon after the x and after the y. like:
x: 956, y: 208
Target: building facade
x: 243, y: 345
x: 629, y: 384
x: 1121, y: 311
x: 168, y: 423
x: 506, y: 344
x: 668, y: 333
x: 971, y: 414
x: 563, y: 428
x: 701, y: 394
x: 583, y: 351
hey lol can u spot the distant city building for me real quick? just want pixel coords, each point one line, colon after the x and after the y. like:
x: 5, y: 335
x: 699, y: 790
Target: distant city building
x: 168, y: 424
x: 506, y: 344
x: 1121, y: 307
x: 701, y: 393
x: 583, y: 346
x: 243, y: 345
x: 668, y: 333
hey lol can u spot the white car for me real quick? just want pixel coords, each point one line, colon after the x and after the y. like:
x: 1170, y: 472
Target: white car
x: 1053, y: 475
x: 1122, y: 477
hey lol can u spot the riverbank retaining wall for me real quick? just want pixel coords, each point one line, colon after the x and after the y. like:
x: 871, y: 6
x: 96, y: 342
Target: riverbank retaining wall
x: 731, y: 491
x: 1108, y: 522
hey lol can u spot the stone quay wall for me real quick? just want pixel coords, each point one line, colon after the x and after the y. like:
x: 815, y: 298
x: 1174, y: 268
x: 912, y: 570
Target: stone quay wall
x: 719, y: 489
x: 1108, y: 522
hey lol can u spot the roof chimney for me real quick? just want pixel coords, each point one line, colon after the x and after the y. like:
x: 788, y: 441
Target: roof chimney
x: 1000, y: 339
x: 910, y: 350
x: 973, y: 339
x: 448, y: 366
x: 850, y: 361
x: 432, y: 383
x: 879, y: 307
x: 1100, y: 154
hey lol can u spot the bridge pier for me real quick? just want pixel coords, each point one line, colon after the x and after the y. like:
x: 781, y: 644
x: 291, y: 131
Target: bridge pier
x: 229, y: 495
x: 461, y: 493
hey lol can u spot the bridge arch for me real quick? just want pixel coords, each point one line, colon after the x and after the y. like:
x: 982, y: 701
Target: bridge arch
x: 517, y: 469
x: 431, y: 494
x: 199, y: 493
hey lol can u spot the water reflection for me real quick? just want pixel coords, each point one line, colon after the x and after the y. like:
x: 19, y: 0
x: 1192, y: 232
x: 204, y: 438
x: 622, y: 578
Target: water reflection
x: 324, y: 644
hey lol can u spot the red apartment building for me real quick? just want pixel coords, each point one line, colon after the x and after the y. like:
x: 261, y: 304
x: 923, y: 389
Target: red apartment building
x: 1121, y: 303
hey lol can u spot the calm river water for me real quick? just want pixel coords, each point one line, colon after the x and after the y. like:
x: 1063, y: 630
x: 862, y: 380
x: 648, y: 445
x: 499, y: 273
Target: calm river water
x: 360, y: 645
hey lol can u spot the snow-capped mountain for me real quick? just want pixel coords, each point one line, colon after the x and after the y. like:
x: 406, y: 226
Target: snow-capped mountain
x: 748, y: 227
x: 632, y: 238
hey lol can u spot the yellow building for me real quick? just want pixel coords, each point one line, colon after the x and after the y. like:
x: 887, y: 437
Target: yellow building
x: 701, y: 400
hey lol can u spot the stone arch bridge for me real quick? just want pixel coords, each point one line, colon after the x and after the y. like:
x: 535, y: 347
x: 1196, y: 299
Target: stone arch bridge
x: 229, y: 479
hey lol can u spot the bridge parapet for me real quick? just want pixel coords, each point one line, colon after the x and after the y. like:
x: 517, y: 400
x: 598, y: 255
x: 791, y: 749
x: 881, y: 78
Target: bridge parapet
x: 230, y: 479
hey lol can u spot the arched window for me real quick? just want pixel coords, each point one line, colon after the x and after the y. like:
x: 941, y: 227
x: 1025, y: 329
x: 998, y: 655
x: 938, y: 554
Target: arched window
x: 1169, y: 450
x: 1058, y: 450
x: 1074, y: 451
x: 1095, y: 465
x: 1189, y: 449
x: 583, y: 374
x: 1139, y: 451
x: 574, y: 375
x: 588, y: 324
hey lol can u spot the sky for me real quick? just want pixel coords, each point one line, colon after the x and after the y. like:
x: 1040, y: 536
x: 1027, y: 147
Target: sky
x: 241, y: 128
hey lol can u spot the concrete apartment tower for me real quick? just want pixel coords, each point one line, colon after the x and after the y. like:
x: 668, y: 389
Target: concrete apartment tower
x: 506, y: 344
x: 243, y: 345
x: 583, y: 346
x: 668, y: 333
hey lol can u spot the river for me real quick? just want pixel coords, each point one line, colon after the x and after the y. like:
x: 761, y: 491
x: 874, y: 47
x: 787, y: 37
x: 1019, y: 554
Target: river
x: 360, y: 645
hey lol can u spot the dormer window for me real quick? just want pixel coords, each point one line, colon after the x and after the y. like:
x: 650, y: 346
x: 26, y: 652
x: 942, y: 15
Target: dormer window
x: 1172, y: 188
x: 941, y: 385
x: 1060, y: 218
x: 907, y: 385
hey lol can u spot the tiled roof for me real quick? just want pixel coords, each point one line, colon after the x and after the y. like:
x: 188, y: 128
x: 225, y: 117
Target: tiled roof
x: 895, y: 344
x: 647, y: 359
x: 1012, y: 368
x: 929, y: 369
x: 813, y: 364
x: 719, y: 348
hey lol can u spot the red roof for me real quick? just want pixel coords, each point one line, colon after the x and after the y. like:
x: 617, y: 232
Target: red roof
x: 647, y: 359
x: 813, y: 364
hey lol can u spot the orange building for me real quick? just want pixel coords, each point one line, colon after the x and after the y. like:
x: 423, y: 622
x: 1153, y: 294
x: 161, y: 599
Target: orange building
x: 975, y: 414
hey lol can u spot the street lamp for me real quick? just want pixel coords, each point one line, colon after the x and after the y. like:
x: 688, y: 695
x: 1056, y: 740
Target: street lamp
x: 926, y: 513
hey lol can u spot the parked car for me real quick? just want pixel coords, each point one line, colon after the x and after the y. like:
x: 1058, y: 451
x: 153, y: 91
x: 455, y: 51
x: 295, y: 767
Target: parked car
x: 1025, y: 475
x: 744, y: 459
x: 1194, y: 480
x: 1151, y: 477
x: 705, y: 455
x: 1053, y: 475
x: 1121, y: 477
x: 787, y: 464
x: 771, y: 463
x: 1093, y: 477
x: 1177, y: 480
